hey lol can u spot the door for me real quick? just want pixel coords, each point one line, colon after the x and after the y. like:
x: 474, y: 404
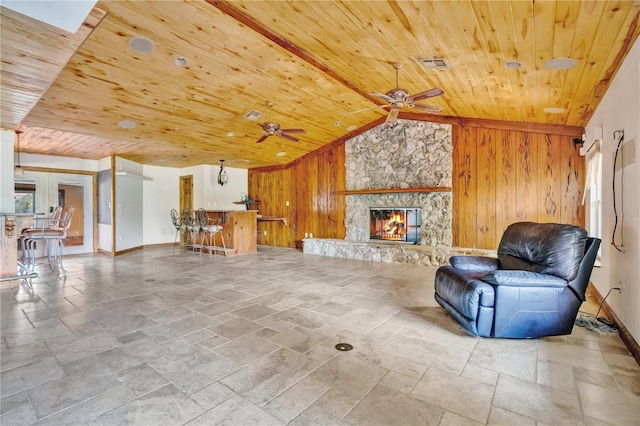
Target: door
x: 41, y: 192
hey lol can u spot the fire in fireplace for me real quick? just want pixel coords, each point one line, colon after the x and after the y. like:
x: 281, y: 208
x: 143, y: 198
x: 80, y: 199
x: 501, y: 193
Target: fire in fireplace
x: 400, y: 224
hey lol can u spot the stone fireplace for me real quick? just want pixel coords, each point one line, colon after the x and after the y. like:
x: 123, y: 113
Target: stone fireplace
x: 412, y: 154
x: 395, y: 168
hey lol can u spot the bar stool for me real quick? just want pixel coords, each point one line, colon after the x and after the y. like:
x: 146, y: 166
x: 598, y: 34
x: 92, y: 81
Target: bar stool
x: 52, y: 231
x: 180, y: 229
x: 214, y: 228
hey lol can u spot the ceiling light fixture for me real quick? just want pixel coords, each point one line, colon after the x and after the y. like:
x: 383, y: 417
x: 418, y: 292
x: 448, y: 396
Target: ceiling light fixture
x: 553, y: 110
x: 141, y: 45
x: 513, y: 64
x: 231, y: 134
x: 223, y: 178
x: 281, y: 154
x: 180, y: 61
x: 17, y: 169
x: 351, y: 128
x: 560, y: 63
x: 127, y: 124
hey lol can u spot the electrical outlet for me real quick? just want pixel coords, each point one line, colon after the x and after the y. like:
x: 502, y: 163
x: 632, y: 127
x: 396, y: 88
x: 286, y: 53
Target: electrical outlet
x: 306, y: 235
x: 265, y: 232
x: 286, y: 203
x: 310, y: 235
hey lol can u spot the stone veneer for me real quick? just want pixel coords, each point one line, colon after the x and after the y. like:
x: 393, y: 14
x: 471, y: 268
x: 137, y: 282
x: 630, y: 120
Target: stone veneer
x: 388, y: 252
x: 411, y: 154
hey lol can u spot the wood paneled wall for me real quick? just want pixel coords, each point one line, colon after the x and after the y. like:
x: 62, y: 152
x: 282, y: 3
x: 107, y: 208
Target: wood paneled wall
x: 310, y: 184
x: 505, y: 176
x: 500, y: 176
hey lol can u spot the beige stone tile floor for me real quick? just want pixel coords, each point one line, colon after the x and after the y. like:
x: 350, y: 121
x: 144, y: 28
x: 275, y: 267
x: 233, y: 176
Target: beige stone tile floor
x: 155, y: 338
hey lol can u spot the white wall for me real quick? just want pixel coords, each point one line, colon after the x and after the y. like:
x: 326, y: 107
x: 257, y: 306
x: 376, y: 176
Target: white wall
x: 207, y: 194
x: 63, y: 163
x: 104, y: 231
x: 620, y: 109
x: 6, y: 171
x: 128, y: 205
x: 160, y: 196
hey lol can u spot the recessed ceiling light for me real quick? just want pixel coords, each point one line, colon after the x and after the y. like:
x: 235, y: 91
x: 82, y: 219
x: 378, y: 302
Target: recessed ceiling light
x: 553, y: 110
x: 281, y: 154
x: 141, y: 45
x: 180, y: 61
x: 560, y: 63
x: 352, y: 128
x: 127, y: 124
x: 338, y: 123
x: 513, y: 64
x: 231, y: 134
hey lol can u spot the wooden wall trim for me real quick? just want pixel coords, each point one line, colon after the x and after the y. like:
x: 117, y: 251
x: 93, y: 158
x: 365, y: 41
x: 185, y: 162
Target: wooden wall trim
x: 554, y: 129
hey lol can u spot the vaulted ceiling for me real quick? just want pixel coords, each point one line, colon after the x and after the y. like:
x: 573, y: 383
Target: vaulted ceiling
x: 316, y: 61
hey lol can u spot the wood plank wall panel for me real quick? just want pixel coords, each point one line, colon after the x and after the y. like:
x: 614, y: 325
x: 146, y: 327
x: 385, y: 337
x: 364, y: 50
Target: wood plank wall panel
x: 310, y: 185
x: 486, y: 186
x: 505, y: 170
x: 464, y: 187
x: 500, y: 176
x: 507, y: 176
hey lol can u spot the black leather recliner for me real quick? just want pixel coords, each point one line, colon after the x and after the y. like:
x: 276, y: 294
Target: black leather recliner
x: 533, y: 289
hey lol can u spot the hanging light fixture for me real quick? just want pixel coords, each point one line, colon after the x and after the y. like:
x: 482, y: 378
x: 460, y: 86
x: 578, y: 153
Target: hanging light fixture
x: 222, y: 175
x: 17, y: 169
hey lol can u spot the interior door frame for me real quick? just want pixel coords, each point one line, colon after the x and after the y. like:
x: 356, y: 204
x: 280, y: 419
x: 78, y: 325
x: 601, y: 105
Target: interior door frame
x: 186, y: 188
x: 94, y: 191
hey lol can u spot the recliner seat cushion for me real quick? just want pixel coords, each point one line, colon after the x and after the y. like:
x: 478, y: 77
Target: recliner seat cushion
x: 544, y: 248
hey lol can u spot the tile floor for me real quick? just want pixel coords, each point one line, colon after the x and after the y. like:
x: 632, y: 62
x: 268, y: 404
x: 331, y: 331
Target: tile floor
x: 151, y: 338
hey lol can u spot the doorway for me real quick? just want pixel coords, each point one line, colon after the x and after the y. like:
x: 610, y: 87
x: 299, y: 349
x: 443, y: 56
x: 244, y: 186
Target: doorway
x: 41, y: 192
x: 186, y: 193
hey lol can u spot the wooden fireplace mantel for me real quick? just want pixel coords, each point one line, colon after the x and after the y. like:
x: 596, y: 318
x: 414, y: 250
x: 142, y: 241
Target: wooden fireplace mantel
x: 395, y: 190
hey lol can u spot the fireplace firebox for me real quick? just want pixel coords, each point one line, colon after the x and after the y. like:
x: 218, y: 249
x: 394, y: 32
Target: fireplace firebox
x: 398, y: 224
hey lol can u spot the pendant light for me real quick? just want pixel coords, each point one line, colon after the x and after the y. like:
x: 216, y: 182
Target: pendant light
x: 222, y: 175
x: 17, y: 169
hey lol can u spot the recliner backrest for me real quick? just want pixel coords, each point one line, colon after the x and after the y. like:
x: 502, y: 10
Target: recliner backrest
x: 546, y: 248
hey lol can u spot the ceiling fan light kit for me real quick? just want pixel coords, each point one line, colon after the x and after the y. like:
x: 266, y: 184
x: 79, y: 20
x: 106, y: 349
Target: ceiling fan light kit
x: 272, y: 128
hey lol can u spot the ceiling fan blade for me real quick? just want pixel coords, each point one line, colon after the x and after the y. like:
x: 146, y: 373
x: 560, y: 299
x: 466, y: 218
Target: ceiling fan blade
x: 262, y: 138
x: 436, y: 91
x: 264, y: 126
x: 292, y: 130
x: 285, y: 136
x: 433, y: 109
x: 381, y: 96
x: 369, y: 109
x: 392, y: 117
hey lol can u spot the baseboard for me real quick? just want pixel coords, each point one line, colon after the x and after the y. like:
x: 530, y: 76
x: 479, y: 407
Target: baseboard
x: 626, y: 337
x: 147, y: 246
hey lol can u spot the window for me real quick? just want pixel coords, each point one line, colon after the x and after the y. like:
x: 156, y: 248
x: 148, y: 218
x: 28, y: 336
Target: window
x: 593, y: 190
x: 25, y: 197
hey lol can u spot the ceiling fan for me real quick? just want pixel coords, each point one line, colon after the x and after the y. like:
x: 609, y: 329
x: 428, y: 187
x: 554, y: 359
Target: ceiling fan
x: 398, y: 98
x: 272, y: 128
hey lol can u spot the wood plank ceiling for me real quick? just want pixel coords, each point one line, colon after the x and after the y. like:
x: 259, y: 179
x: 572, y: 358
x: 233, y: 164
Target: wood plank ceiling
x: 316, y: 61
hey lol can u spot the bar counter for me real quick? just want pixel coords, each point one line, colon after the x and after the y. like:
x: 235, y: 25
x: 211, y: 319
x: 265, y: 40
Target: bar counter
x: 239, y: 230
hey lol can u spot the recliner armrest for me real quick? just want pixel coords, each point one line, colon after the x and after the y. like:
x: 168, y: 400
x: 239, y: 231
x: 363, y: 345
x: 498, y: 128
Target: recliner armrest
x: 474, y: 263
x: 523, y: 279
